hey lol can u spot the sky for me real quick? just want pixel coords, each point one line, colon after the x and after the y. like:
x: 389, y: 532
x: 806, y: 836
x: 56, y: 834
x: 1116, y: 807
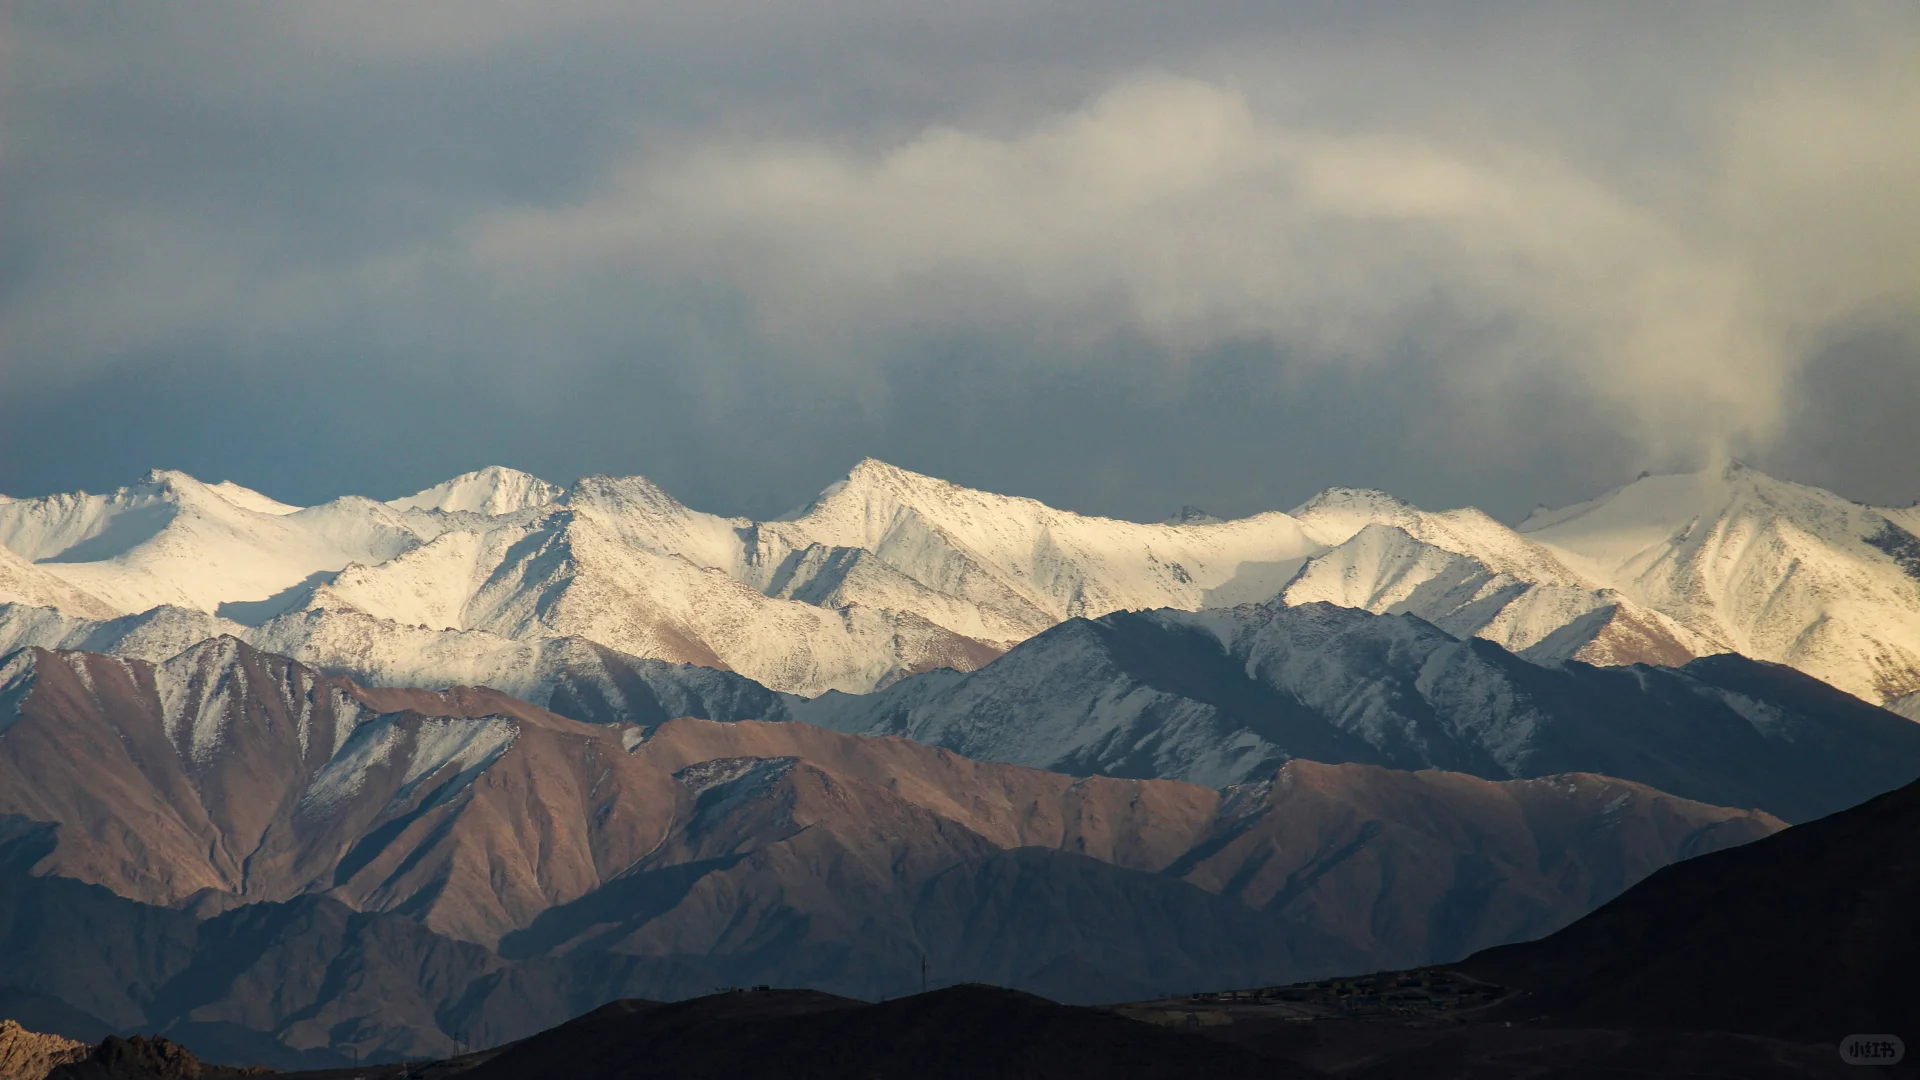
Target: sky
x: 1119, y: 256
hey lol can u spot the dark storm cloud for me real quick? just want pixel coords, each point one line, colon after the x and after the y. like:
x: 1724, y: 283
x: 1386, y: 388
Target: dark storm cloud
x: 1112, y: 256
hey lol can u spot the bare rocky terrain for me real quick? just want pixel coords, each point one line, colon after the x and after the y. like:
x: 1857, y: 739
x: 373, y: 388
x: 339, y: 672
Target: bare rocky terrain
x: 251, y: 828
x: 31, y: 1055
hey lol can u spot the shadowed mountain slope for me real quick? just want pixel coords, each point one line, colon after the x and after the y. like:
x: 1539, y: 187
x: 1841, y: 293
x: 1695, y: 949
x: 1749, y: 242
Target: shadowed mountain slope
x: 1219, y: 697
x: 1808, y: 934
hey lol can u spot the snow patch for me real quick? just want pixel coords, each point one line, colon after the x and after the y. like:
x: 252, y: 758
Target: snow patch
x: 199, y: 691
x: 17, y: 675
x: 411, y: 749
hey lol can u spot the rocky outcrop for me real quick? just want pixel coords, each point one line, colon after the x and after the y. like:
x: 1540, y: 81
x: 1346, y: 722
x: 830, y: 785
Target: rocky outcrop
x: 143, y: 1058
x: 29, y: 1055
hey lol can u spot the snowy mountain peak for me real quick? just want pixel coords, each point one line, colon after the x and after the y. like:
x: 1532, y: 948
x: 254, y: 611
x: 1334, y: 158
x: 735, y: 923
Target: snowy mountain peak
x: 1336, y: 514
x: 617, y: 492
x: 178, y: 488
x: 873, y: 481
x: 186, y: 489
x: 874, y: 471
x: 890, y: 572
x: 1653, y: 508
x: 494, y: 490
x: 1781, y: 571
x: 175, y: 540
x: 1334, y: 498
x: 167, y: 478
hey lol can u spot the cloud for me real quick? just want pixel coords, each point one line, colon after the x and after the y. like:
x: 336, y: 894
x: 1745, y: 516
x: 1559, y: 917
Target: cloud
x: 1168, y: 207
x: 1564, y: 239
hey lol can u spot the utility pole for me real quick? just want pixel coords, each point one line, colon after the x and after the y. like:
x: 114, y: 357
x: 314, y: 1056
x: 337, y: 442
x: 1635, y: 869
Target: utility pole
x: 923, y: 972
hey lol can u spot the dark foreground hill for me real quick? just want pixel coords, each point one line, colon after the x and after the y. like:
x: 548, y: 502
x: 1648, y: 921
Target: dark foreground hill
x: 1809, y: 934
x: 1753, y: 962
x: 987, y: 1033
x: 963, y: 1031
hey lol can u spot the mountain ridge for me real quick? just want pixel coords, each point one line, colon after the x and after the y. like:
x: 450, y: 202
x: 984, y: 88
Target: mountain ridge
x: 1216, y: 697
x: 887, y: 572
x: 227, y: 779
x: 1781, y: 571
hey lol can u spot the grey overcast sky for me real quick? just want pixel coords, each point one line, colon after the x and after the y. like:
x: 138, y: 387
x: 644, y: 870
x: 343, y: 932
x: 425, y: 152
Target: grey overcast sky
x: 1121, y: 256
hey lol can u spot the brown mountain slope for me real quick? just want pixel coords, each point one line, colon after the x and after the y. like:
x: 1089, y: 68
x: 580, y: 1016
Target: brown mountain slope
x: 228, y: 776
x: 1385, y: 864
x: 555, y: 864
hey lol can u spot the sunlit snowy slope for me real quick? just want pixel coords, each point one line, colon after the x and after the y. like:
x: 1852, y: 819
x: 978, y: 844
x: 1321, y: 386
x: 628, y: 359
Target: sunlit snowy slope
x: 171, y: 539
x: 1777, y: 570
x: 1474, y: 577
x: 572, y: 676
x: 889, y: 573
x: 886, y: 574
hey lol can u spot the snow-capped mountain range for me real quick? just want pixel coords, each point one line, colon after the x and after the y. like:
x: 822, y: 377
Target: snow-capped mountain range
x: 474, y: 724
x: 888, y: 573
